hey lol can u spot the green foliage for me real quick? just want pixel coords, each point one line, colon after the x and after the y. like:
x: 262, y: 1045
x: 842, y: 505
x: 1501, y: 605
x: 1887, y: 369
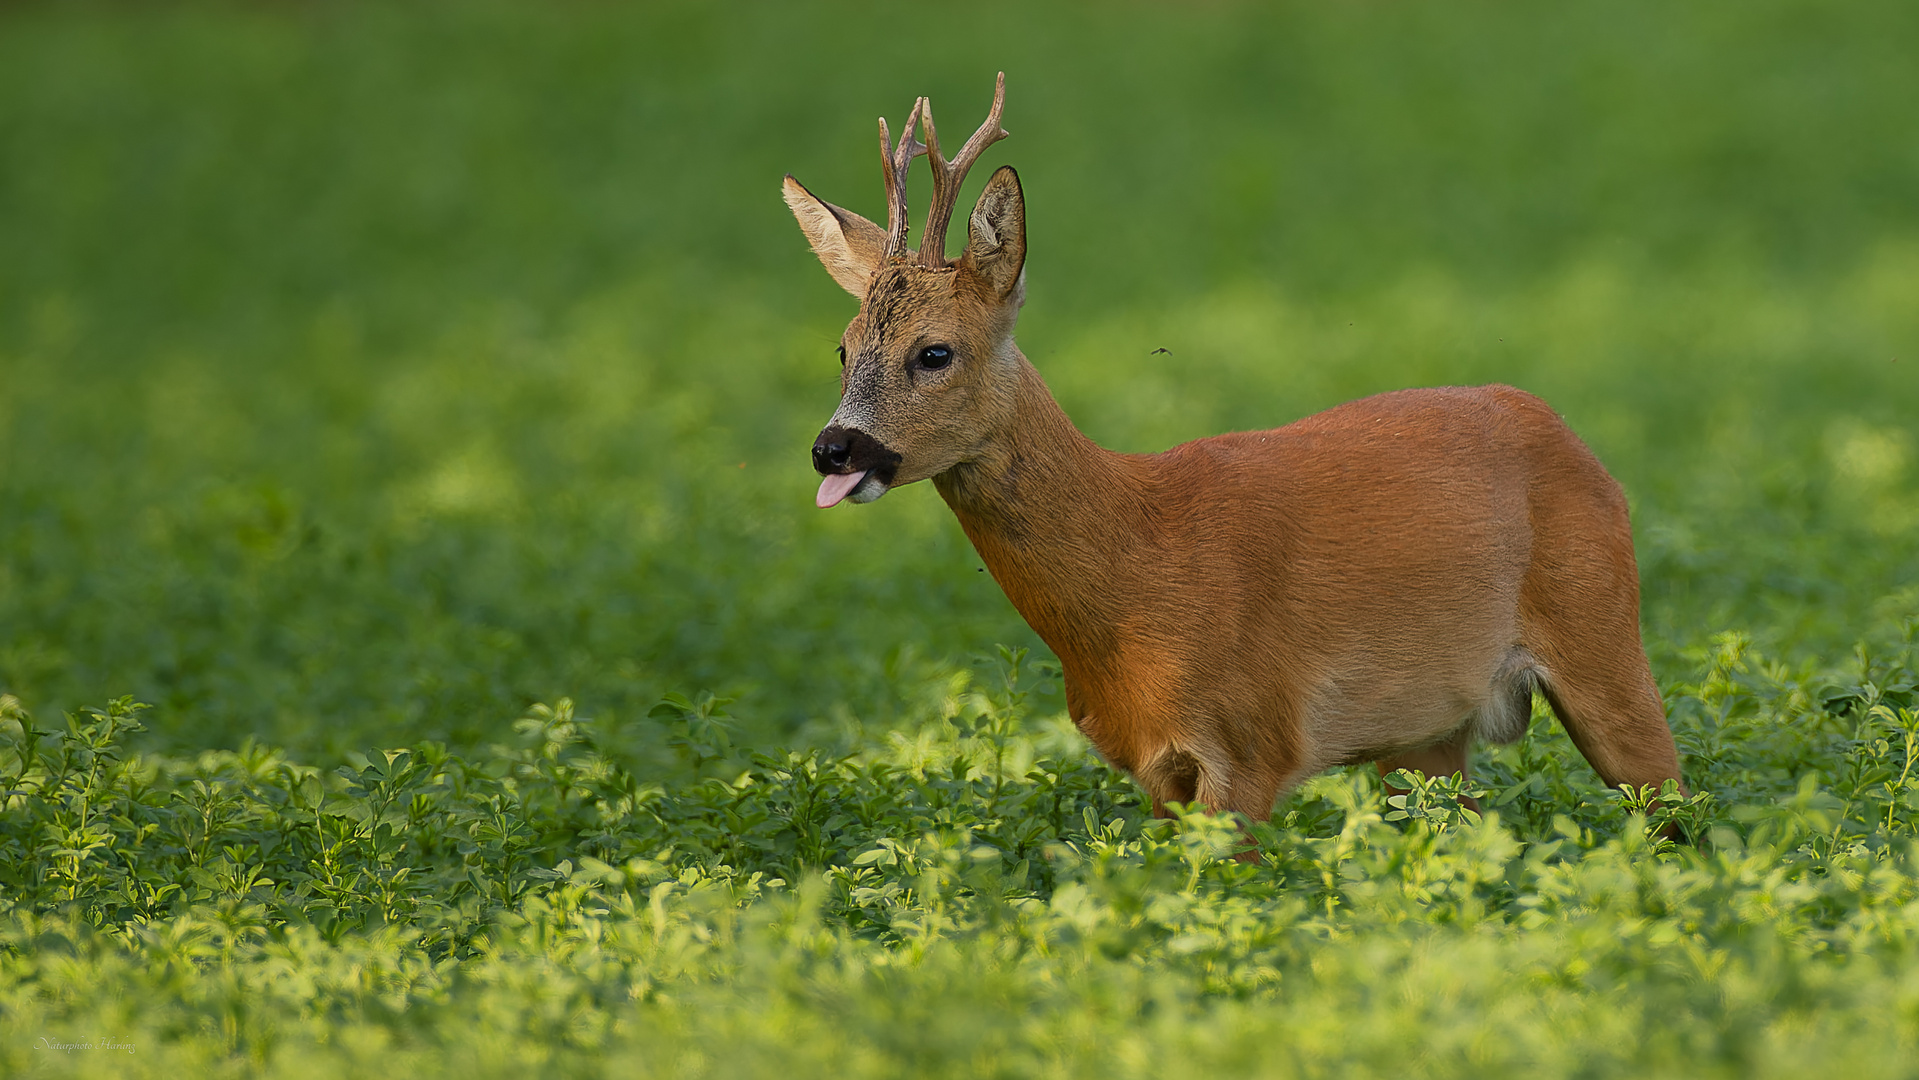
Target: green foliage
x: 425, y: 838
x: 371, y: 374
x: 967, y: 898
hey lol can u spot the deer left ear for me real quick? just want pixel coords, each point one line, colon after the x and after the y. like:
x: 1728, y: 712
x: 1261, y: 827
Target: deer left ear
x: 996, y: 235
x: 849, y: 246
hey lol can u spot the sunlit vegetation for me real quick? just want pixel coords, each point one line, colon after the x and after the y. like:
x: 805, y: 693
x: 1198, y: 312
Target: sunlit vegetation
x: 419, y: 653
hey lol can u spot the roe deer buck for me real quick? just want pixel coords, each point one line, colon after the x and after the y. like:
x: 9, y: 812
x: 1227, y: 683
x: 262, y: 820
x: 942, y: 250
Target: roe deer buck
x: 1386, y: 581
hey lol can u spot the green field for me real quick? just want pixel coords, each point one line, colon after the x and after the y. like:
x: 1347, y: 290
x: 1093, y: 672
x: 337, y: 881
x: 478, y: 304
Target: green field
x: 410, y: 404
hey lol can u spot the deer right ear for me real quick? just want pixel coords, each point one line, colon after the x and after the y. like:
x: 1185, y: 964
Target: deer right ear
x: 996, y: 236
x: 849, y: 246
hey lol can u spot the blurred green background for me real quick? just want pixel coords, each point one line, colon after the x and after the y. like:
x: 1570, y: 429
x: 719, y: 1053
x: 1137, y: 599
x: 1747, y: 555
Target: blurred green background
x: 368, y: 372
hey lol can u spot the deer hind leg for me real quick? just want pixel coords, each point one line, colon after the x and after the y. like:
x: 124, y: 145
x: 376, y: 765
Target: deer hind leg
x: 1594, y: 674
x: 1609, y: 704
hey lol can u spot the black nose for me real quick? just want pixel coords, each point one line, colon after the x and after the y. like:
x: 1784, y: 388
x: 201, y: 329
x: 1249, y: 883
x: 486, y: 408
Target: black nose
x: 830, y: 451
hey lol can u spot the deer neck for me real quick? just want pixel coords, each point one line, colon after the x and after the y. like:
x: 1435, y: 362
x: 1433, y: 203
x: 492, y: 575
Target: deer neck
x: 1058, y: 521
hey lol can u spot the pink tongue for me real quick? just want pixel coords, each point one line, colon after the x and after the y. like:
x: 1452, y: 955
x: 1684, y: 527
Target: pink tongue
x: 837, y: 487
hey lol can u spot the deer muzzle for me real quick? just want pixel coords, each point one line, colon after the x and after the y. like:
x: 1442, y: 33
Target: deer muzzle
x: 852, y: 463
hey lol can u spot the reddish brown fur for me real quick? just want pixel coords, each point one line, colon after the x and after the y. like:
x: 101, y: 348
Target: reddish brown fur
x: 1383, y: 581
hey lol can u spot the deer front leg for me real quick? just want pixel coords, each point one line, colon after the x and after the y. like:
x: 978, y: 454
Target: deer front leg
x: 1180, y: 776
x: 1172, y: 776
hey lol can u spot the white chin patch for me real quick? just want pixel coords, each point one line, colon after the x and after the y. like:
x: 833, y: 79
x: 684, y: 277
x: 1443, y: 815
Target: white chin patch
x: 867, y: 490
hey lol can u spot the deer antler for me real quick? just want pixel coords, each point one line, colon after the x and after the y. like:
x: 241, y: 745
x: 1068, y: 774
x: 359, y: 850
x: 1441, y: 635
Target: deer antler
x: 894, y: 162
x: 948, y: 177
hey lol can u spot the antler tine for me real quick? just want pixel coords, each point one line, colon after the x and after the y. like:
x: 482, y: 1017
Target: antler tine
x: 894, y: 163
x: 948, y: 177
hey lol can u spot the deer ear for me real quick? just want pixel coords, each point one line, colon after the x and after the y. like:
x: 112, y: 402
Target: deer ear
x: 848, y: 245
x: 996, y: 235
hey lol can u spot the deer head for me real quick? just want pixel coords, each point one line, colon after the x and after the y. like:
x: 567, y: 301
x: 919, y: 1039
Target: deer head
x: 928, y: 371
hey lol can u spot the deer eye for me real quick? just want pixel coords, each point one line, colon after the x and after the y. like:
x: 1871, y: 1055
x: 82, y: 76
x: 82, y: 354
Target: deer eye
x: 934, y: 357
